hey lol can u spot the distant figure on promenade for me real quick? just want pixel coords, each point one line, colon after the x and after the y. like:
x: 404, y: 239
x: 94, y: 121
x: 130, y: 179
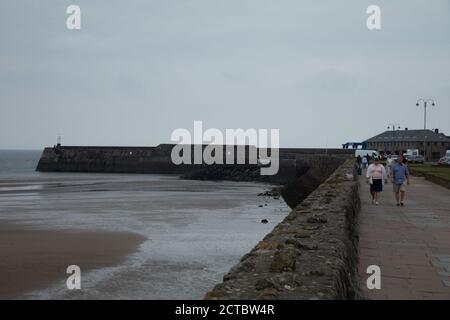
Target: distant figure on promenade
x: 399, y: 176
x: 368, y: 159
x: 364, y: 162
x: 389, y: 164
x: 376, y: 177
x: 358, y: 159
x: 358, y: 165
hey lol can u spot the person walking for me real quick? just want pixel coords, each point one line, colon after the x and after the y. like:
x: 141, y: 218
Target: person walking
x: 358, y: 165
x: 358, y: 159
x: 376, y: 177
x: 389, y: 164
x: 399, y: 176
x: 368, y: 159
x: 364, y: 162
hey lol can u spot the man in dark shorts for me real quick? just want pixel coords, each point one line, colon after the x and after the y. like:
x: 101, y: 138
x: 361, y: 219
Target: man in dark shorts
x: 399, y: 176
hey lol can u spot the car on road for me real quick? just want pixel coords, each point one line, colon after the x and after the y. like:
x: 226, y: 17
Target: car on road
x: 445, y: 161
x: 415, y: 158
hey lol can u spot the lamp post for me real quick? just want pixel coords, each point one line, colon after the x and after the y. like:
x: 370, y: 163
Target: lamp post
x: 425, y: 102
x: 393, y: 126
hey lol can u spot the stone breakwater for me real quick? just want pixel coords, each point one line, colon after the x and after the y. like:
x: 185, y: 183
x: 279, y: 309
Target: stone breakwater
x: 311, y: 254
x: 157, y: 160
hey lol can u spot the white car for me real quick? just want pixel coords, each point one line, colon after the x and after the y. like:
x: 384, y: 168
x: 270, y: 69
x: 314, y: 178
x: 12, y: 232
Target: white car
x: 444, y: 161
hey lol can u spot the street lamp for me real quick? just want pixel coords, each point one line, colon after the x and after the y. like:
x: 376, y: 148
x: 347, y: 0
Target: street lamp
x: 393, y: 126
x: 425, y: 102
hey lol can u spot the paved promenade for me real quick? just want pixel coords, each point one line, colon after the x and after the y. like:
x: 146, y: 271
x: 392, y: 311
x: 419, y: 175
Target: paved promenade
x: 410, y: 244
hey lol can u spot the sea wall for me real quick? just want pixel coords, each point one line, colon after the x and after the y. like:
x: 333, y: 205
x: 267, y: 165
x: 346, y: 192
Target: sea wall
x: 108, y: 159
x: 311, y: 171
x: 157, y: 160
x: 311, y: 254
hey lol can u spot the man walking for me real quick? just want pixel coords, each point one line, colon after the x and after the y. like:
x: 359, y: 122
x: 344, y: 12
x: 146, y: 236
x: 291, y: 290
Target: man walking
x: 399, y: 176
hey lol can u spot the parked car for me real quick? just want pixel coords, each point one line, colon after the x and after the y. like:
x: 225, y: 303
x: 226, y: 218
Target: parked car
x: 415, y: 159
x: 444, y: 161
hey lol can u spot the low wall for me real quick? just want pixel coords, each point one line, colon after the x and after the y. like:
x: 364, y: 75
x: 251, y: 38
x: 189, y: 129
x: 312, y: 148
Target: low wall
x: 311, y: 254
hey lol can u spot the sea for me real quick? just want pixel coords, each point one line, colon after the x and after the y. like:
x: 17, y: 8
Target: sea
x: 195, y: 230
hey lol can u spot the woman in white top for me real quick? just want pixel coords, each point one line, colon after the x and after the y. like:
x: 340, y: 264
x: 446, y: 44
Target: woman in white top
x: 376, y: 176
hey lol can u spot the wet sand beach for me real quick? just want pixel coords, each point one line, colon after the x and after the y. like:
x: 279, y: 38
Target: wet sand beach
x: 34, y: 259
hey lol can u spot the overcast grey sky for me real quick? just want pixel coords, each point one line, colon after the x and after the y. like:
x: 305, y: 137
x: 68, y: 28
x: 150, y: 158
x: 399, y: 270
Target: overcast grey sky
x: 137, y: 70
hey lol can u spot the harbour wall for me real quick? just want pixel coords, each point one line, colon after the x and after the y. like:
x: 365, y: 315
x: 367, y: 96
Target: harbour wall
x: 157, y: 160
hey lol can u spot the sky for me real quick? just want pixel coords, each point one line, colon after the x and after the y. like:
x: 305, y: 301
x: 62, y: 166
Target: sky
x: 137, y: 70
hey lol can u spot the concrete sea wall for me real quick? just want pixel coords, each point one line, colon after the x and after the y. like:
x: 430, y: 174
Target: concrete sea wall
x: 311, y: 254
x: 311, y: 171
x: 108, y: 159
x: 157, y: 160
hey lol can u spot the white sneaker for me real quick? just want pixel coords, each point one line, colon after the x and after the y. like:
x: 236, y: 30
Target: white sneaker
x: 377, y: 203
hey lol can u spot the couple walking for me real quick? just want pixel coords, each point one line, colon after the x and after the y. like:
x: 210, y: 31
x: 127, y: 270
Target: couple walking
x: 397, y: 173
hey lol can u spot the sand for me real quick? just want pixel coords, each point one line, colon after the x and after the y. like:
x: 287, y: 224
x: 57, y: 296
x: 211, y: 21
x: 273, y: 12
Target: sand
x: 34, y: 259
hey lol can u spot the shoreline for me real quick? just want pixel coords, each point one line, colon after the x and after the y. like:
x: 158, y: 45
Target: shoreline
x: 34, y: 259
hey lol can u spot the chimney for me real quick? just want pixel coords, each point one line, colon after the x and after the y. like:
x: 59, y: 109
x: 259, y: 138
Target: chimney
x: 436, y: 130
x: 406, y: 129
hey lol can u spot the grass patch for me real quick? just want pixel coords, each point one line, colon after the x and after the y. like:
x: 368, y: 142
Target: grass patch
x: 442, y: 172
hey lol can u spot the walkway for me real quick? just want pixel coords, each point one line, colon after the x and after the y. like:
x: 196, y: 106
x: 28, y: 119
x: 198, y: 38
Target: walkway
x: 410, y: 244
